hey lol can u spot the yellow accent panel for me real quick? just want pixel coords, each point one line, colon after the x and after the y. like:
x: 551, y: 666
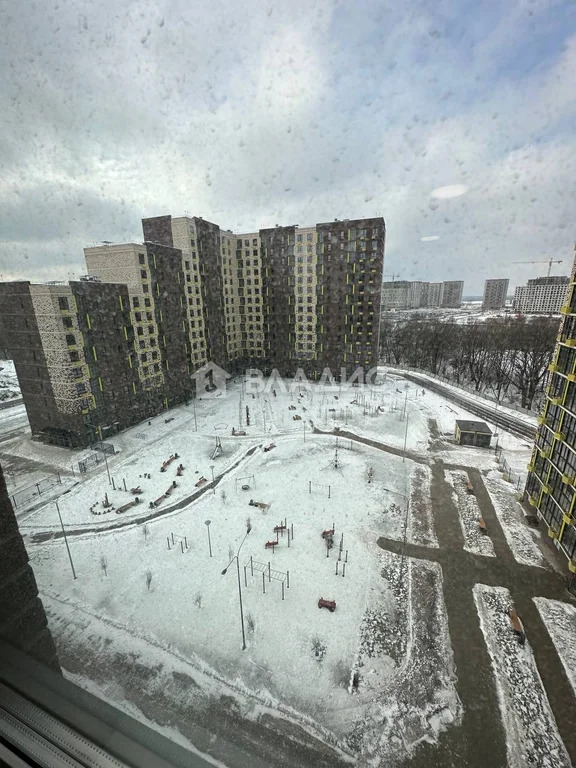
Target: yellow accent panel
x: 88, y: 323
x: 94, y: 354
x: 100, y: 384
x: 121, y: 303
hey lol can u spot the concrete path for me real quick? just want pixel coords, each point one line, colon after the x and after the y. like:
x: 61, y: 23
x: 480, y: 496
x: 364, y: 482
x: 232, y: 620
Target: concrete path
x: 480, y: 741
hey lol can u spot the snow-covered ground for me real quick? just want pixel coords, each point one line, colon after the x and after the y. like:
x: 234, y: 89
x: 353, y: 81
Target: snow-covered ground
x: 560, y: 621
x: 532, y: 737
x: 191, y: 608
x: 475, y: 540
x: 9, y: 387
x: 522, y: 540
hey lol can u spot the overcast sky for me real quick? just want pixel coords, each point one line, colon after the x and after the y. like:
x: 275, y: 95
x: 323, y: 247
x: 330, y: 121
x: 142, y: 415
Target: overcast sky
x: 257, y: 113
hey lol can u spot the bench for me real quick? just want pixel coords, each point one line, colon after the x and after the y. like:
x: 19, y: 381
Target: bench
x: 517, y: 627
x: 482, y: 525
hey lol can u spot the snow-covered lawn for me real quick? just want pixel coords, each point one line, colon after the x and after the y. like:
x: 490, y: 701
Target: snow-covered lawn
x: 560, y: 621
x: 192, y: 609
x: 521, y: 539
x: 469, y: 514
x: 532, y: 737
x: 405, y: 663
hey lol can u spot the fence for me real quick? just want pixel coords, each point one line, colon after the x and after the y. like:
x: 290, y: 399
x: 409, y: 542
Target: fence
x: 465, y: 389
x: 23, y: 496
x: 509, y: 474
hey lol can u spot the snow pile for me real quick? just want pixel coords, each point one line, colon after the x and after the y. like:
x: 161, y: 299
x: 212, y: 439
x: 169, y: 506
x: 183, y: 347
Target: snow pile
x: 9, y: 387
x: 521, y: 539
x: 406, y: 667
x: 469, y: 514
x: 560, y: 621
x: 532, y: 738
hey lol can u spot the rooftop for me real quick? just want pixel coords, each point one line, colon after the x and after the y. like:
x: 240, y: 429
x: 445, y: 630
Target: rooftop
x: 473, y: 426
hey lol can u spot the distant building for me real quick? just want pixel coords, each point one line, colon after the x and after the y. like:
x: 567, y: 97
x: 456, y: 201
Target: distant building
x: 402, y: 294
x: 543, y: 295
x: 433, y: 295
x: 126, y: 341
x: 452, y: 293
x: 551, y: 482
x: 495, y: 292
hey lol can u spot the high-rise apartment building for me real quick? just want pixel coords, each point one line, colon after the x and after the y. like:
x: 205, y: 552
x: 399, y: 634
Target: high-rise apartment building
x: 432, y: 295
x: 96, y: 355
x: 542, y: 295
x: 286, y: 297
x: 452, y: 293
x: 551, y: 483
x: 495, y: 292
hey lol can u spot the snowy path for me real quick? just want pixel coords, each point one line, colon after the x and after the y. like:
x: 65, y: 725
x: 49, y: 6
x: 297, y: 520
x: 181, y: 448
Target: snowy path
x: 469, y: 514
x: 560, y: 621
x: 532, y: 736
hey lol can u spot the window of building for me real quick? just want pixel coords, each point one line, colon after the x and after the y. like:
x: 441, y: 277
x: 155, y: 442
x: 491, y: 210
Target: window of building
x: 63, y: 302
x: 141, y: 258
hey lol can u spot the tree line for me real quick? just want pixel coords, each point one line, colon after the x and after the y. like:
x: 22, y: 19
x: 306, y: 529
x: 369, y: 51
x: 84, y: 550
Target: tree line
x: 507, y: 357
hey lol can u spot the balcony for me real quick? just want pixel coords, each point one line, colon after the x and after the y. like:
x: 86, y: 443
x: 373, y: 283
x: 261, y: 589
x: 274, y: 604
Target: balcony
x: 553, y: 367
x: 533, y: 501
x: 565, y: 310
x: 572, y: 565
x: 541, y: 419
x: 556, y: 400
x: 560, y: 436
x: 570, y: 342
x: 553, y: 533
x: 545, y: 452
x: 567, y: 520
x: 568, y: 479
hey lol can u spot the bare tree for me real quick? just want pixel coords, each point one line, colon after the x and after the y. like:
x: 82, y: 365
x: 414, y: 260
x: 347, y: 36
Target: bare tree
x: 223, y: 495
x: 148, y: 579
x: 230, y: 552
x: 145, y: 530
x: 250, y: 622
x: 104, y: 564
x: 198, y: 599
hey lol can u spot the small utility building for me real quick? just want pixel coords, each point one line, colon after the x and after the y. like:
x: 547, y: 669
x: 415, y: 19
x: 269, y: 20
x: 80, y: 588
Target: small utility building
x: 472, y: 433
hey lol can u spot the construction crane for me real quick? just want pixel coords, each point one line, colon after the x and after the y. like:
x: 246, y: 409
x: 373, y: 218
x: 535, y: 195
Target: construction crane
x: 547, y: 261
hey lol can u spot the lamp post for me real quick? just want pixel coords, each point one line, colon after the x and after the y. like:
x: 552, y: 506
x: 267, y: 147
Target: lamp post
x: 405, y: 533
x: 207, y: 524
x: 406, y: 434
x: 236, y: 556
x: 65, y: 540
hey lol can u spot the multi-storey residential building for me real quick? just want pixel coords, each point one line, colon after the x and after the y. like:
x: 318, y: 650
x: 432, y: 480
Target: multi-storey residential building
x: 432, y: 295
x: 543, y: 295
x: 452, y: 293
x: 286, y: 296
x: 403, y: 294
x: 551, y: 483
x: 97, y: 355
x: 495, y: 292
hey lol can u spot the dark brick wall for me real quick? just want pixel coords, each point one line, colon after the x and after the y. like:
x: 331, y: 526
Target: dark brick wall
x: 158, y: 229
x: 20, y: 329
x: 277, y: 249
x: 167, y: 285
x: 104, y: 319
x: 22, y: 617
x: 212, y: 287
x: 350, y: 267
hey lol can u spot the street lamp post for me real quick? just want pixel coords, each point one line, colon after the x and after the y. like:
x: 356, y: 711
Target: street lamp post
x: 207, y: 524
x: 236, y: 557
x: 66, y: 540
x: 406, y: 434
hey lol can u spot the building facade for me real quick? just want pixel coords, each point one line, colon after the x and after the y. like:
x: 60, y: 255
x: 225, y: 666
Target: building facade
x: 452, y: 293
x: 551, y: 483
x: 495, y: 293
x: 543, y: 295
x: 97, y: 355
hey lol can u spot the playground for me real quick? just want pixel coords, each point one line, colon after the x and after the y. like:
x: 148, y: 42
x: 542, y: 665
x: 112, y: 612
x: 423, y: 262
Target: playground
x: 314, y: 511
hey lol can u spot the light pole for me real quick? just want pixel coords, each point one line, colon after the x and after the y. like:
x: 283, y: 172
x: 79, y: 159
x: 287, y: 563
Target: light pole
x: 207, y: 524
x: 406, y: 434
x: 239, y: 585
x: 66, y: 541
x: 405, y: 533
